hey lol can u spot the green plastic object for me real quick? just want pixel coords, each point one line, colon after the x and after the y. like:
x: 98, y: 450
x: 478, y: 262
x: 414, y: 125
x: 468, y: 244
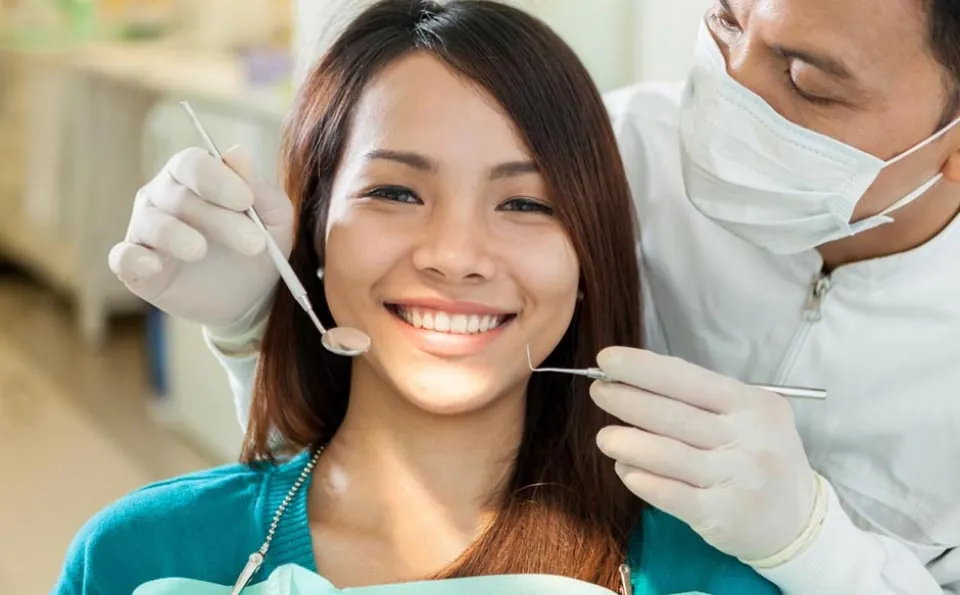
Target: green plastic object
x: 291, y: 579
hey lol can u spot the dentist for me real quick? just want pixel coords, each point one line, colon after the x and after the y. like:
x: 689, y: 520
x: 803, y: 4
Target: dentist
x: 798, y: 206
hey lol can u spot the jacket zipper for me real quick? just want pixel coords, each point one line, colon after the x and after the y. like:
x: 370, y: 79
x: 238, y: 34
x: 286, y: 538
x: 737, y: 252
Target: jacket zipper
x: 812, y: 313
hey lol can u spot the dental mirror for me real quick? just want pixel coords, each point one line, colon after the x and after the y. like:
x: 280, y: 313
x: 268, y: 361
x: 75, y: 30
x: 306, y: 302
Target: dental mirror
x: 794, y: 392
x: 345, y: 341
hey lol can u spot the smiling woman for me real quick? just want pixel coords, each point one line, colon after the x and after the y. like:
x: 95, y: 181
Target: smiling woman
x: 455, y: 178
x: 443, y: 190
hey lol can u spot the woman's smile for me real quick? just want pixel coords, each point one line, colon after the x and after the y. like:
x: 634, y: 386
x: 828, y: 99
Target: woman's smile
x: 449, y: 329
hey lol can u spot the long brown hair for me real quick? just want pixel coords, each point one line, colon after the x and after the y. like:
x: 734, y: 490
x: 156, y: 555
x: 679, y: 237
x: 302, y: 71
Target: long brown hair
x: 564, y: 510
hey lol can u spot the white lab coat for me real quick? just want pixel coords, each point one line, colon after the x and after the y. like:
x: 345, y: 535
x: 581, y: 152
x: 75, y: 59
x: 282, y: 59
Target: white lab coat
x: 883, y: 338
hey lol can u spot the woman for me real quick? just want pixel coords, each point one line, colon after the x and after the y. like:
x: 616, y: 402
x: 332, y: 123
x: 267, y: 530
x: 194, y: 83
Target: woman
x: 443, y: 212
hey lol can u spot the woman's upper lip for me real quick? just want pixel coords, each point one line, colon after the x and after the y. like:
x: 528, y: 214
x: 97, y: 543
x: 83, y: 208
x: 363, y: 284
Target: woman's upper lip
x: 451, y: 306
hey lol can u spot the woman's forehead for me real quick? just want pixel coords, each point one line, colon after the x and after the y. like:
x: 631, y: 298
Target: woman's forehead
x: 420, y: 104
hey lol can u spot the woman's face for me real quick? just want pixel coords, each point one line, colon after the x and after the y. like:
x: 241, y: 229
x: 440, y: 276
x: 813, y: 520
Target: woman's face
x: 441, y: 243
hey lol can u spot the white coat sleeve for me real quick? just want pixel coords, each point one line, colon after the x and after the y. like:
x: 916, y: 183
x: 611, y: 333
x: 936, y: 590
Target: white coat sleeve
x: 946, y: 569
x: 848, y: 560
x: 654, y: 337
x: 238, y: 354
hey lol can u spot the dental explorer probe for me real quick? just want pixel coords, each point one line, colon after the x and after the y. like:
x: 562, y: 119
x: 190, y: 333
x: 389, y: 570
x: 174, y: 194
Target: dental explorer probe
x: 796, y: 392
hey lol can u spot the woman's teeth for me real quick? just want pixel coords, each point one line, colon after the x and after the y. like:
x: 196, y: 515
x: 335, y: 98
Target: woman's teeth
x: 458, y: 324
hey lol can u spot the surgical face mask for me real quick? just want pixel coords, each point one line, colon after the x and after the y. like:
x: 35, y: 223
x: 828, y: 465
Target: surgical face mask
x: 765, y: 179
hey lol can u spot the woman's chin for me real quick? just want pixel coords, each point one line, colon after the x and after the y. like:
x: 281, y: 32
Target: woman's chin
x: 456, y: 392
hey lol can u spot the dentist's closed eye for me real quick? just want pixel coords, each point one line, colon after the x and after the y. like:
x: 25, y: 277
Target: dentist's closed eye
x: 525, y: 205
x: 808, y: 97
x: 393, y: 194
x: 725, y: 21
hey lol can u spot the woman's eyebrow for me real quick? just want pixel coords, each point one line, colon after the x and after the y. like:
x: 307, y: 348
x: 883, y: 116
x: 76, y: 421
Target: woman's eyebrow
x: 513, y: 168
x: 408, y: 158
x: 421, y: 162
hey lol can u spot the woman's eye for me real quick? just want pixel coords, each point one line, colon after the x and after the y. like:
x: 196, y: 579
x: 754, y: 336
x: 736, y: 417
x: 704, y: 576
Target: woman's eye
x: 393, y: 194
x: 526, y: 205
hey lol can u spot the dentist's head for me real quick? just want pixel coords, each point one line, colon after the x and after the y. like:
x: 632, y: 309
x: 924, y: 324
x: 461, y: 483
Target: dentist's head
x: 880, y: 81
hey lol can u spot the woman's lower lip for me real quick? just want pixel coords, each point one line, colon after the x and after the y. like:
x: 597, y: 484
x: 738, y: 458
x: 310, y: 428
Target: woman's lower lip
x: 448, y: 344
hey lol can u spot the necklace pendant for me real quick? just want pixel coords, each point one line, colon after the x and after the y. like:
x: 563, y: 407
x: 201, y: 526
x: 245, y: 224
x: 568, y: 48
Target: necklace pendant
x: 254, y: 562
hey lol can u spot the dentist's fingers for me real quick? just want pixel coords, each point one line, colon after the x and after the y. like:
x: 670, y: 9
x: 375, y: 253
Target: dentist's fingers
x: 168, y: 235
x: 232, y: 229
x: 145, y: 272
x: 241, y: 162
x: 658, y: 455
x: 271, y: 204
x: 134, y: 264
x: 210, y: 179
x: 661, y: 415
x: 672, y: 377
x: 669, y: 495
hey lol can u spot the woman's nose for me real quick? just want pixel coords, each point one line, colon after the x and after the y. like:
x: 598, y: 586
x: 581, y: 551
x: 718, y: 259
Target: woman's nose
x: 455, y: 249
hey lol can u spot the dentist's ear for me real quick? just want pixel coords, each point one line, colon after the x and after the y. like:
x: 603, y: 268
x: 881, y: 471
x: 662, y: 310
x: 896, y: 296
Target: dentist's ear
x: 951, y: 169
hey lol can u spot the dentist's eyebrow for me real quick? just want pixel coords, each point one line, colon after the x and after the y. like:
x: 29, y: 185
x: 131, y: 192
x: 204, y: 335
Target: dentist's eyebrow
x: 829, y: 65
x: 725, y: 5
x: 512, y: 169
x: 410, y: 159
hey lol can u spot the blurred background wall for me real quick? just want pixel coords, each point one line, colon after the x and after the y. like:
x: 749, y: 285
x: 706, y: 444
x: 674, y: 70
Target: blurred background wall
x: 620, y: 41
x: 98, y: 393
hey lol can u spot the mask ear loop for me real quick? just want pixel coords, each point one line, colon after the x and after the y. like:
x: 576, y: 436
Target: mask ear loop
x: 924, y: 143
x: 883, y: 217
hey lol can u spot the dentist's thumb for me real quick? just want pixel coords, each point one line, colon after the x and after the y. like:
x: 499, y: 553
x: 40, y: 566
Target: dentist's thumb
x: 270, y: 202
x: 624, y: 364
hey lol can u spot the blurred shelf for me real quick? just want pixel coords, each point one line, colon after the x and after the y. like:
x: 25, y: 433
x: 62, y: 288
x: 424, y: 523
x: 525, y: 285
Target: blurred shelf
x: 78, y: 145
x: 168, y: 68
x: 43, y: 254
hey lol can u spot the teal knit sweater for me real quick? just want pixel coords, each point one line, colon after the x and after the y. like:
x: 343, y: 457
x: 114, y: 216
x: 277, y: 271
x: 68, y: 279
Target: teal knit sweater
x: 204, y: 525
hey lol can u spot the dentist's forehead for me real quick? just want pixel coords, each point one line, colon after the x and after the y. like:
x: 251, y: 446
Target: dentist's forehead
x: 868, y: 38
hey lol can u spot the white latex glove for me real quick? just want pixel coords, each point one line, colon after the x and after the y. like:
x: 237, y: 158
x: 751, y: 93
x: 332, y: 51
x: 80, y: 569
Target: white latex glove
x: 721, y: 456
x: 191, y: 252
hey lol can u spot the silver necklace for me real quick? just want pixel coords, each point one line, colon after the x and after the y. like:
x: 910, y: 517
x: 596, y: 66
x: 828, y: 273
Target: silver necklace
x: 255, y: 561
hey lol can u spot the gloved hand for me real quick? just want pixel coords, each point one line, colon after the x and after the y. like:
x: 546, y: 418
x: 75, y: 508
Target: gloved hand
x: 191, y: 252
x: 719, y: 455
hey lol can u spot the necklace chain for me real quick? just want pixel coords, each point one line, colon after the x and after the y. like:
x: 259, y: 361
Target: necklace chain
x: 255, y: 561
x: 301, y: 479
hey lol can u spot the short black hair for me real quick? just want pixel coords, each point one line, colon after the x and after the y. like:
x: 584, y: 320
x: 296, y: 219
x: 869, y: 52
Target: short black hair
x: 943, y: 27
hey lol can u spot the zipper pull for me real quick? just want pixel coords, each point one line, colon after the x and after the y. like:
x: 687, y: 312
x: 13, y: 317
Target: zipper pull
x: 815, y: 301
x: 626, y: 586
x: 253, y: 565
